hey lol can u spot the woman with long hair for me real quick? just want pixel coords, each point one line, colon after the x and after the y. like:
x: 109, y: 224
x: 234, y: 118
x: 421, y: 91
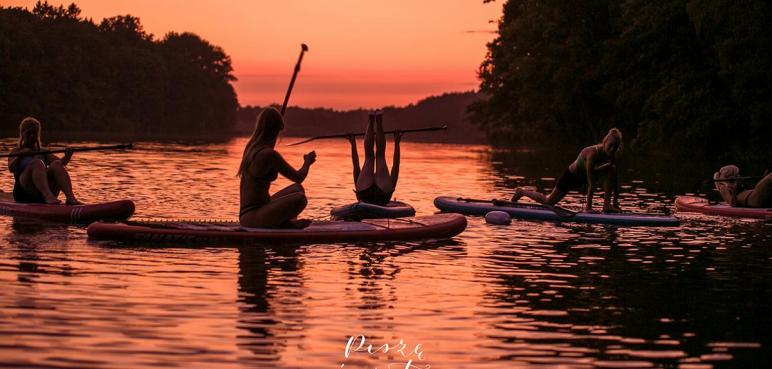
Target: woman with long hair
x: 593, y: 163
x: 38, y: 177
x: 260, y: 165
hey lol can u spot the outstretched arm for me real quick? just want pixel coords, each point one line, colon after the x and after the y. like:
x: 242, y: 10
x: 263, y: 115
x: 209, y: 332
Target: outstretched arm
x: 354, y: 157
x: 590, y: 189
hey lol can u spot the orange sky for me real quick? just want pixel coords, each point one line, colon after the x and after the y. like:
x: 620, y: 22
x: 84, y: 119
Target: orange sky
x: 363, y: 53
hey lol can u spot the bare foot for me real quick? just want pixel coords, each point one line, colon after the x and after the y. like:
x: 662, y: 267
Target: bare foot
x: 295, y: 224
x: 53, y: 201
x: 518, y: 194
x: 73, y: 201
x: 611, y: 209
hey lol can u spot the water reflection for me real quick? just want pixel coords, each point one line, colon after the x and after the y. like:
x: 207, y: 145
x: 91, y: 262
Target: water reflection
x: 529, y: 295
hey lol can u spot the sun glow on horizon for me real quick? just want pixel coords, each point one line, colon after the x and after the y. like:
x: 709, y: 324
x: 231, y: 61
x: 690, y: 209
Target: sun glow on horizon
x: 362, y: 54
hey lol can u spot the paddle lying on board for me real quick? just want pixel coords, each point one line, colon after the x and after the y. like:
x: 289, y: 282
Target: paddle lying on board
x: 342, y: 135
x: 303, y: 49
x: 74, y: 149
x: 561, y: 212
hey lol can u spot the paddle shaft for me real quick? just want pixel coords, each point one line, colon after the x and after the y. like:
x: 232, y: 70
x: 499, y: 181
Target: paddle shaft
x: 74, y: 149
x: 733, y: 179
x: 303, y: 49
x: 342, y: 135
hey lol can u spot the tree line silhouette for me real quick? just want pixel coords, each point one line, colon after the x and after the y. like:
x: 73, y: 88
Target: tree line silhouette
x: 692, y: 76
x: 112, y: 77
x: 447, y: 109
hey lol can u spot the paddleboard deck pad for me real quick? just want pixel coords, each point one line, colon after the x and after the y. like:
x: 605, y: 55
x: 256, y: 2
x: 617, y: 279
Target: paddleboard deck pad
x: 362, y: 210
x: 693, y: 204
x: 437, y: 226
x: 74, y: 214
x: 537, y: 212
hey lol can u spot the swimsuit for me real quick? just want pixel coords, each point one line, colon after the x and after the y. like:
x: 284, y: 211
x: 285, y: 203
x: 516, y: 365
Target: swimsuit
x: 267, y: 178
x: 374, y: 195
x: 569, y: 181
x: 19, y: 194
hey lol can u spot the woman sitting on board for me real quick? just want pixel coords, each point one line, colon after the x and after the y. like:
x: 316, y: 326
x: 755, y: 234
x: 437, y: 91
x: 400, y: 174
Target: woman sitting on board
x: 735, y: 194
x: 373, y: 183
x: 260, y: 165
x: 39, y: 178
x: 594, y: 162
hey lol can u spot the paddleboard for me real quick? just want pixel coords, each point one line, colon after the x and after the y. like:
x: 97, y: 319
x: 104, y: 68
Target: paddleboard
x: 74, y: 214
x: 362, y: 210
x: 423, y: 227
x: 537, y: 212
x: 695, y: 204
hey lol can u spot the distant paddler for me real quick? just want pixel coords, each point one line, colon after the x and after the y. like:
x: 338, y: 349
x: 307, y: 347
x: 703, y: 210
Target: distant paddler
x: 594, y: 163
x: 729, y: 184
x: 38, y: 176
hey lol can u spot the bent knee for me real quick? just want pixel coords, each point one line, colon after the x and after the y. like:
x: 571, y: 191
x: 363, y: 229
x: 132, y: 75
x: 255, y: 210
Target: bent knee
x: 297, y: 187
x: 55, y: 165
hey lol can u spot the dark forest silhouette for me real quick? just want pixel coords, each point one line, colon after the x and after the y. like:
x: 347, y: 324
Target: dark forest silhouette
x: 113, y: 77
x: 675, y: 75
x: 447, y: 109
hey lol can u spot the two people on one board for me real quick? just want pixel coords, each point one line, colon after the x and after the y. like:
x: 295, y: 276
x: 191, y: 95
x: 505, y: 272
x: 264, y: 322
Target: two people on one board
x: 736, y: 194
x: 595, y: 163
x: 39, y: 178
x: 261, y: 164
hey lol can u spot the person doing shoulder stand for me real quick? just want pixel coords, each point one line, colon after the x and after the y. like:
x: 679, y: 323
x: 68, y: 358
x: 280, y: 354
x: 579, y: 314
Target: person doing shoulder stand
x: 38, y: 178
x: 373, y: 183
x: 260, y: 166
x: 593, y: 163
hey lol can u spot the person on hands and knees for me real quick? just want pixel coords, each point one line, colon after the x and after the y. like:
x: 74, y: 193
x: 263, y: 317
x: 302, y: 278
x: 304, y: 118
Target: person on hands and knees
x: 373, y: 182
x: 39, y: 177
x: 260, y: 166
x: 594, y: 163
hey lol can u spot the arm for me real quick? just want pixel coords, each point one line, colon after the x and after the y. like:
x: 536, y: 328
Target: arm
x: 354, y: 157
x: 13, y: 161
x: 297, y: 176
x: 728, y: 192
x: 590, y: 189
x: 395, y: 160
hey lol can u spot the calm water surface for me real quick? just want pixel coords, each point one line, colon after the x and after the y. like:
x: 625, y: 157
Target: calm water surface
x: 529, y: 295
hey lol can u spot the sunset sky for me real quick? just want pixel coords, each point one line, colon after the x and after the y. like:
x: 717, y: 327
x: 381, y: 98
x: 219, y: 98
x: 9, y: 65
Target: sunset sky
x: 362, y: 53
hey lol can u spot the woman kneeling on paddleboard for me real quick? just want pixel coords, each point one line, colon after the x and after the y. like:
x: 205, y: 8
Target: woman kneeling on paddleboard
x: 260, y: 165
x: 735, y: 194
x: 373, y: 183
x: 39, y: 178
x: 594, y: 162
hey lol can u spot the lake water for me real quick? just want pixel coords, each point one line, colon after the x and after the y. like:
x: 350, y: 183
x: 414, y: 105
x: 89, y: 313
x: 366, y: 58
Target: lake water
x: 529, y: 295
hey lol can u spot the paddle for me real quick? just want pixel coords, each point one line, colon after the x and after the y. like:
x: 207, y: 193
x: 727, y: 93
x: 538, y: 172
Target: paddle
x: 74, y: 149
x: 342, y: 135
x: 559, y: 211
x: 303, y: 49
x: 697, y: 186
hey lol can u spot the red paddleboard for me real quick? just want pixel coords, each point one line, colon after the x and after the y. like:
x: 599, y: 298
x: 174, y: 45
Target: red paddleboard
x: 374, y: 230
x: 75, y: 214
x: 695, y: 204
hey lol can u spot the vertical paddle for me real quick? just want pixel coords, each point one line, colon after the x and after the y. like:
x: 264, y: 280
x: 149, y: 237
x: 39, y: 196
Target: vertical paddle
x: 559, y: 211
x: 303, y: 49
